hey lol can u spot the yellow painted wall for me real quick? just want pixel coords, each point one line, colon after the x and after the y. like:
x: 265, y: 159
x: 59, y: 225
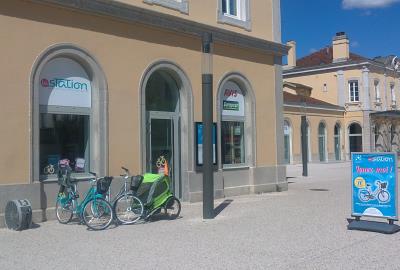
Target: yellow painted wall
x: 317, y: 81
x: 124, y: 52
x: 205, y: 11
x: 314, y: 118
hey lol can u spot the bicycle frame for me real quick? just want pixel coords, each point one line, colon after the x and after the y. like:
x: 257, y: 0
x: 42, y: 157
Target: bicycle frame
x: 72, y: 197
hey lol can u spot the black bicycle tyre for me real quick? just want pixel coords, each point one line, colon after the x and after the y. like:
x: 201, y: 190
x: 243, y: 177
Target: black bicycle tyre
x: 66, y: 220
x: 109, y: 220
x: 169, y: 208
x: 383, y: 198
x: 138, y: 213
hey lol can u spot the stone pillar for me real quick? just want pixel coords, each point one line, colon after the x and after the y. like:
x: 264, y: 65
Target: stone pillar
x: 366, y: 132
x: 365, y: 89
x: 341, y: 88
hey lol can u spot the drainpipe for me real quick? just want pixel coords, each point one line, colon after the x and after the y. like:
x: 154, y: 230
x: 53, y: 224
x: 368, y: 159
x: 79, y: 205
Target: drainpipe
x: 207, y: 107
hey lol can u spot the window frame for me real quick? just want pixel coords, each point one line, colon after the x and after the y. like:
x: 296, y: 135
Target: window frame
x: 352, y: 92
x: 248, y: 119
x: 377, y: 91
x: 242, y: 19
x: 392, y: 87
x: 181, y: 6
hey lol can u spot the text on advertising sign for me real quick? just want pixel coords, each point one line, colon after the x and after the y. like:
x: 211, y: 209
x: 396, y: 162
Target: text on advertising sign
x: 232, y: 100
x: 63, y: 82
x: 374, y: 185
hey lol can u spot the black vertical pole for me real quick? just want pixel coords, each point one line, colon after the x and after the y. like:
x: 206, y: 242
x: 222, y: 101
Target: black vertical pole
x: 207, y: 107
x: 304, y: 145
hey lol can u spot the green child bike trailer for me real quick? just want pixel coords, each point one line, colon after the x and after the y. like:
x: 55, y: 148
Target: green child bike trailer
x: 155, y: 193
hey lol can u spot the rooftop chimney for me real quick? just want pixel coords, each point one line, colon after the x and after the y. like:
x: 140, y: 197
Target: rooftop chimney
x: 291, y: 58
x: 341, y: 48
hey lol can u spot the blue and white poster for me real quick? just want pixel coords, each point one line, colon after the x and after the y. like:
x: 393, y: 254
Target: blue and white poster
x: 199, y: 143
x: 374, y: 185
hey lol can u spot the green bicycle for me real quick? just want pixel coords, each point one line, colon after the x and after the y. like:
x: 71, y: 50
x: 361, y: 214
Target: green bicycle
x: 94, y: 210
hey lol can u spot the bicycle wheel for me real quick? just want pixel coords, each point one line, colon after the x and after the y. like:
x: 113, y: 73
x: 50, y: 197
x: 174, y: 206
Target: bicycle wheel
x: 172, y: 208
x: 128, y: 208
x: 64, y: 210
x: 364, y: 195
x: 383, y: 196
x: 97, y: 214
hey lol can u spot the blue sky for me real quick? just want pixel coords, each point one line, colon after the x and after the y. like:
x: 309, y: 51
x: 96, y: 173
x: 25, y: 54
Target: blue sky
x: 373, y: 26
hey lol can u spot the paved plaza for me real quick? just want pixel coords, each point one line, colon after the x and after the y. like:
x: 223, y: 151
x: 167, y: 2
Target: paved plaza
x: 303, y: 228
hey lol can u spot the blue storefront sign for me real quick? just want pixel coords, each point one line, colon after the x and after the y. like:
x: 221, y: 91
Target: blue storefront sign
x: 374, y: 185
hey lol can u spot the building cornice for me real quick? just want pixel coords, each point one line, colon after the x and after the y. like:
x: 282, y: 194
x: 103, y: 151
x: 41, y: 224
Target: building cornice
x: 333, y: 67
x: 339, y: 109
x: 134, y: 14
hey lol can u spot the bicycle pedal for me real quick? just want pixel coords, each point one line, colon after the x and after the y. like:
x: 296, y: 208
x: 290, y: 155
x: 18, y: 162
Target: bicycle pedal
x: 76, y: 196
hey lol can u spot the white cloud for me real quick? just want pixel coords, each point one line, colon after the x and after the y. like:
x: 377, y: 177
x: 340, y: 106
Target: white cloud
x: 350, y: 4
x: 313, y: 50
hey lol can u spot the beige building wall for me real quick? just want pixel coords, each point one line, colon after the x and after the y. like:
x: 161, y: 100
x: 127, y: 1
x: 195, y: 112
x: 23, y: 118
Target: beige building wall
x: 315, y: 117
x: 205, y: 11
x: 124, y: 52
x: 383, y: 81
x: 318, y: 82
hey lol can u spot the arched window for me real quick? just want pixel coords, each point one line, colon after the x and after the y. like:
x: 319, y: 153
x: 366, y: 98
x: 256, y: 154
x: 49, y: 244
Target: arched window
x: 337, y: 142
x: 355, y: 138
x: 287, y: 133
x: 322, y: 141
x: 236, y: 121
x: 69, y: 120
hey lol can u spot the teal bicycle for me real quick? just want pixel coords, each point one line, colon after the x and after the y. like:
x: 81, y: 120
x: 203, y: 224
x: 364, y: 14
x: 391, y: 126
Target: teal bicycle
x: 93, y: 210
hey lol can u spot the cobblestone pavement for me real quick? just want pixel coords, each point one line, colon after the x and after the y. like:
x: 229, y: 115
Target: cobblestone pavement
x: 303, y: 228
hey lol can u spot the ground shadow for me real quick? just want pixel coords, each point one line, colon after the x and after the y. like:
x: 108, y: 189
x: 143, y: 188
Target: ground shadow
x: 34, y: 226
x: 318, y: 189
x: 222, y: 206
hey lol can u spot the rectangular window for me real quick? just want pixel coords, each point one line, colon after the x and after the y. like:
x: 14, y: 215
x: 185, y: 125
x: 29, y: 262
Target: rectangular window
x: 232, y: 142
x: 393, y: 93
x: 180, y: 5
x: 353, y: 91
x: 377, y: 91
x: 230, y: 7
x: 63, y: 136
x: 235, y: 12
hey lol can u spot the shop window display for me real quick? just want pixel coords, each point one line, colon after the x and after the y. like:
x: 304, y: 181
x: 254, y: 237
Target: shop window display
x: 63, y: 136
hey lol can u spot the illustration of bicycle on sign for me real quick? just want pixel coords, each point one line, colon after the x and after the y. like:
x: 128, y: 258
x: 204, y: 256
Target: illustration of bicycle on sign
x: 380, y: 193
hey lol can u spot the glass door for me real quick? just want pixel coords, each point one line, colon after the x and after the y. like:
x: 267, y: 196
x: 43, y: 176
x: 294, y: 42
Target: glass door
x: 163, y: 140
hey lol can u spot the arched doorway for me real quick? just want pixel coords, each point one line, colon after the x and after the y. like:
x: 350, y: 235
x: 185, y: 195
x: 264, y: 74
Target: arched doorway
x: 162, y: 105
x: 167, y: 122
x: 287, y: 139
x: 355, y: 138
x: 337, y: 142
x: 322, y: 141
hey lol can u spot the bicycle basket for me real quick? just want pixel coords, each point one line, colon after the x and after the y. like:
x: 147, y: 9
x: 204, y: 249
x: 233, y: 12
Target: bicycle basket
x: 384, y: 185
x: 64, y: 176
x: 136, y: 181
x: 104, y: 184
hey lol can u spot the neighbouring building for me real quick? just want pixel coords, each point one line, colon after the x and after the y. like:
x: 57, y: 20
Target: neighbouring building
x: 118, y: 83
x: 351, y: 103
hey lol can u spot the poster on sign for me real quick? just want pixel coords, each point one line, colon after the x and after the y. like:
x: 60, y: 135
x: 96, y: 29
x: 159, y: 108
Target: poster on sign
x: 374, y: 185
x: 232, y: 100
x: 64, y: 82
